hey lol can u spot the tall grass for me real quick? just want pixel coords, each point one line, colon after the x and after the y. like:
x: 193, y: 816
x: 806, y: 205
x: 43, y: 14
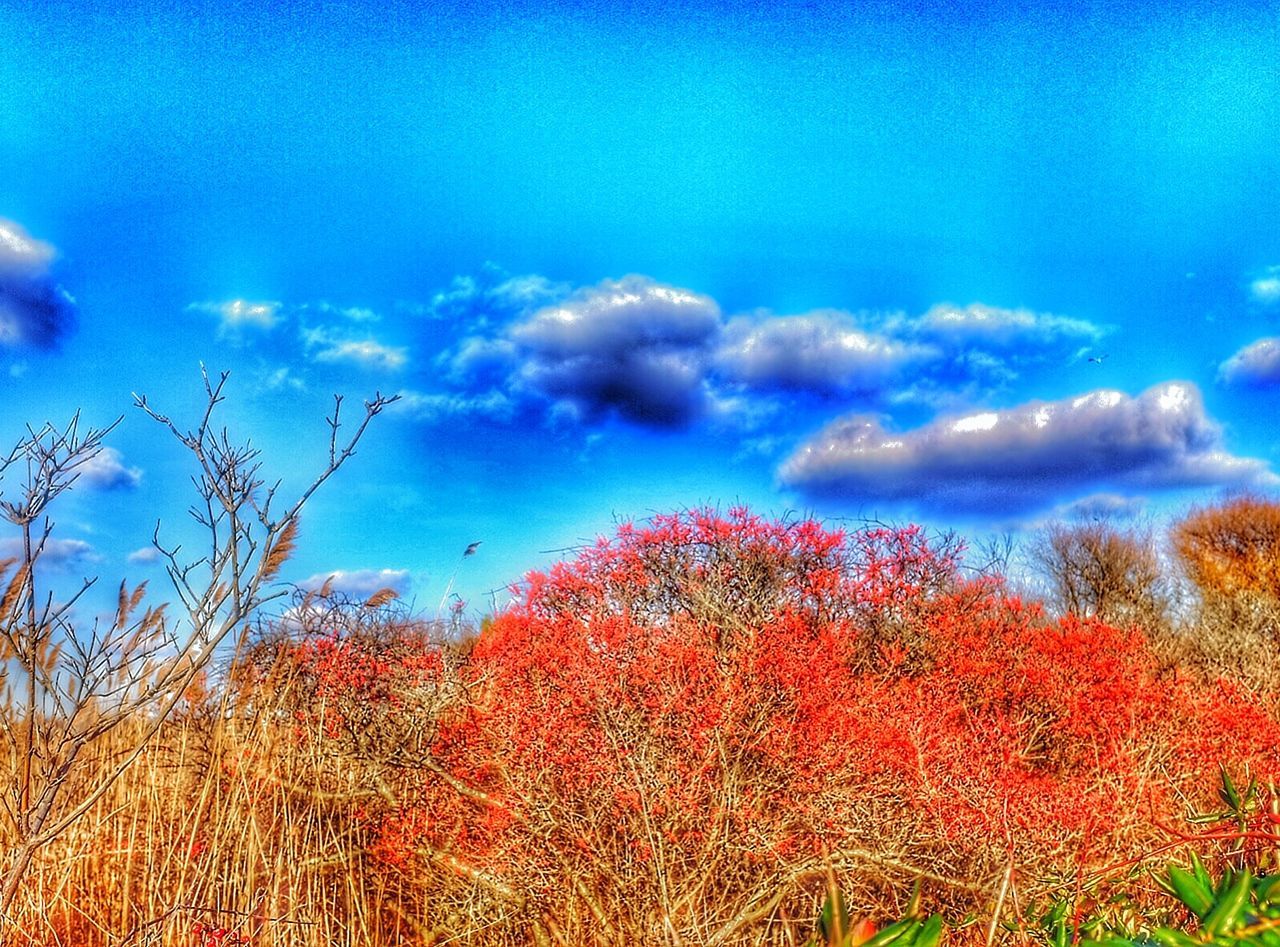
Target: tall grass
x: 222, y: 824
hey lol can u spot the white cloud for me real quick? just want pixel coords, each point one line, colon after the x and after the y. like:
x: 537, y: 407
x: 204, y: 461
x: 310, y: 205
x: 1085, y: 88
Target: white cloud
x: 361, y: 583
x: 1266, y: 288
x: 1025, y: 457
x: 144, y: 556
x: 367, y: 353
x: 1256, y: 365
x: 106, y: 471
x: 492, y: 296
x: 435, y: 406
x: 997, y: 329
x: 236, y: 315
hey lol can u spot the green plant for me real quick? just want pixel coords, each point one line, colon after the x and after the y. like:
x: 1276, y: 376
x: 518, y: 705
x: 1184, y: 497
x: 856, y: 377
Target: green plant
x: 836, y: 928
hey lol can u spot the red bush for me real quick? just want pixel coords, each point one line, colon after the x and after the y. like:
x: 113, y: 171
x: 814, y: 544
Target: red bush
x: 701, y: 713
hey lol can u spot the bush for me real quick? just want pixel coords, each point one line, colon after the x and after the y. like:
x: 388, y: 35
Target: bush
x: 1096, y: 570
x: 687, y: 727
x: 1231, y: 554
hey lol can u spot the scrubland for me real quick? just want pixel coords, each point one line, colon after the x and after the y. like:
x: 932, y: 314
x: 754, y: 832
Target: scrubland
x: 693, y: 733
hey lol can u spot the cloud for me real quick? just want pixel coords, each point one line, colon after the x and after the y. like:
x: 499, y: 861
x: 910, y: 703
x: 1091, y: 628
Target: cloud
x: 1257, y: 365
x: 237, y: 315
x: 989, y: 346
x: 437, y: 406
x: 825, y: 352
x: 1266, y: 288
x: 366, y: 353
x: 631, y: 346
x: 493, y: 296
x: 662, y: 356
x: 58, y: 554
x: 1103, y: 506
x: 34, y: 310
x: 347, y: 313
x: 361, y: 583
x: 144, y: 556
x: 106, y: 471
x: 1025, y: 457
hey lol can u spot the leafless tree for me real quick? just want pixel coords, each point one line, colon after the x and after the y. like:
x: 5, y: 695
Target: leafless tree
x: 63, y: 685
x: 1097, y: 570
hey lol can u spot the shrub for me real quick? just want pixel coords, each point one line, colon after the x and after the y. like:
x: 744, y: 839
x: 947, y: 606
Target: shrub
x: 1097, y: 570
x: 686, y: 727
x: 682, y: 733
x: 1231, y: 554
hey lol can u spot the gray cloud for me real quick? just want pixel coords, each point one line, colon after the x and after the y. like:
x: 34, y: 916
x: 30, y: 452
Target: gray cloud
x: 58, y: 554
x: 826, y: 352
x: 634, y: 346
x: 1103, y: 506
x: 34, y: 310
x: 1025, y: 457
x: 664, y: 356
x: 1257, y: 365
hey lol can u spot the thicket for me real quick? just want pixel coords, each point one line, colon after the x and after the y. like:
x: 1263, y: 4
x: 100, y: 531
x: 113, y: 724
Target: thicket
x: 696, y: 730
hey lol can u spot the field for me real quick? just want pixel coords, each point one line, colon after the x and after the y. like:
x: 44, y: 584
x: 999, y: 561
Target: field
x: 692, y: 733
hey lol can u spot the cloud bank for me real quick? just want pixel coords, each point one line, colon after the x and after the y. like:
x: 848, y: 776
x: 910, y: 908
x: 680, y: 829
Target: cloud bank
x: 663, y: 356
x: 34, y: 310
x: 1024, y: 457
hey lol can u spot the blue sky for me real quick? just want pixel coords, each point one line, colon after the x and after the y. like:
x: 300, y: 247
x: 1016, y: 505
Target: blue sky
x: 625, y: 258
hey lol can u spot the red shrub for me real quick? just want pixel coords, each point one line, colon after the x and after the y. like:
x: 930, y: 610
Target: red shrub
x: 704, y: 711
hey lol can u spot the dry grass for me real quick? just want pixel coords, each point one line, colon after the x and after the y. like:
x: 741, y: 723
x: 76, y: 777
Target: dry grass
x: 223, y: 822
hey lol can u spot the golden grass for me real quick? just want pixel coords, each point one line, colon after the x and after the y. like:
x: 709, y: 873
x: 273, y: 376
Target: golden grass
x: 217, y: 824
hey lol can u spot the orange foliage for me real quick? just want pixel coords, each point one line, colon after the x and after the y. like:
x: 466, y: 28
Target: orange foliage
x: 1233, y: 547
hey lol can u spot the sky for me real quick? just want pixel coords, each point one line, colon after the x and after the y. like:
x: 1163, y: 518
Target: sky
x: 978, y: 266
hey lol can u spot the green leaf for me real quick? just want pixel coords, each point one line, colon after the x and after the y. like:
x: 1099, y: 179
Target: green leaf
x: 1201, y: 873
x: 1172, y: 938
x: 1056, y: 914
x: 1197, y: 896
x: 834, y: 920
x: 1269, y: 937
x: 930, y: 932
x: 899, y: 929
x: 1267, y: 890
x: 1228, y: 793
x: 1226, y: 913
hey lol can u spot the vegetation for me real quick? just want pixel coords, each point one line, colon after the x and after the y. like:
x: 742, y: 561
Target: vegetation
x: 709, y: 729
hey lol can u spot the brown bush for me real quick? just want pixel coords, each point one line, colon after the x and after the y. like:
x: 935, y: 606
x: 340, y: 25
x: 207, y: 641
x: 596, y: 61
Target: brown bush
x: 1231, y: 554
x: 1097, y: 570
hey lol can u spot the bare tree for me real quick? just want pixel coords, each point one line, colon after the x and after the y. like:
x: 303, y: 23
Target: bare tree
x: 73, y: 684
x: 1098, y: 570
